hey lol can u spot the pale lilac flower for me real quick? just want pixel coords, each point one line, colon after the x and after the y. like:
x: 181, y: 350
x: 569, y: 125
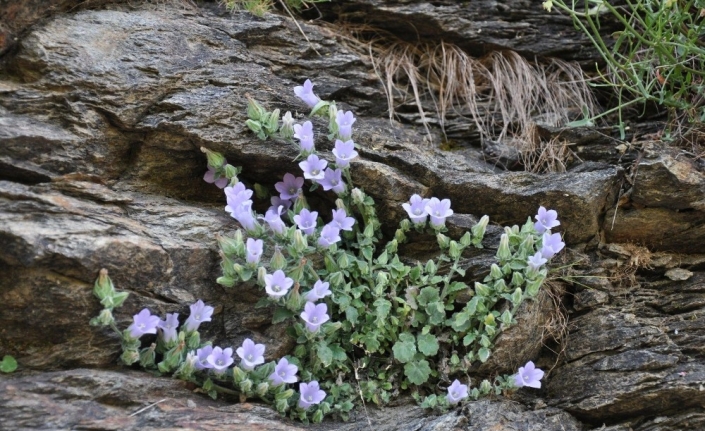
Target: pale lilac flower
x: 329, y: 236
x: 313, y: 167
x: 245, y: 216
x: 320, y: 290
x: 333, y: 180
x: 306, y: 220
x: 536, y: 261
x: 237, y: 198
x: 551, y: 244
x: 305, y: 93
x: 311, y: 394
x: 209, y: 177
x: 438, y: 211
x: 277, y: 201
x: 344, y: 152
x: 202, y: 354
x: 304, y: 133
x: 290, y: 187
x: 344, y: 122
x: 545, y: 220
x: 315, y: 315
x: 528, y: 375
x: 274, y: 220
x: 220, y: 359
x: 169, y: 326
x: 278, y: 284
x: 456, y: 392
x: 143, y: 323
x: 254, y: 250
x: 251, y: 354
x: 416, y: 209
x: 284, y: 372
x: 341, y: 220
x: 200, y: 313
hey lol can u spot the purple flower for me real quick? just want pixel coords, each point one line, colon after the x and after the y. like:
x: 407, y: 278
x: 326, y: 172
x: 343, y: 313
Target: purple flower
x: 254, y: 250
x: 313, y: 167
x: 246, y: 218
x: 290, y: 187
x: 329, y: 236
x: 456, y: 392
x: 200, y: 313
x: 333, y: 180
x: 284, y: 372
x: 438, y: 211
x: 220, y: 359
x: 237, y: 197
x: 545, y: 220
x: 209, y: 177
x: 416, y: 209
x: 278, y: 284
x: 274, y: 219
x: 306, y: 220
x: 528, y: 375
x: 341, y: 220
x: 169, y: 326
x: 143, y: 323
x: 277, y: 201
x: 202, y: 354
x: 320, y: 290
x: 251, y: 354
x: 305, y: 93
x: 311, y: 394
x: 344, y: 152
x: 315, y: 315
x: 344, y: 122
x: 536, y: 261
x: 304, y: 133
x: 552, y: 244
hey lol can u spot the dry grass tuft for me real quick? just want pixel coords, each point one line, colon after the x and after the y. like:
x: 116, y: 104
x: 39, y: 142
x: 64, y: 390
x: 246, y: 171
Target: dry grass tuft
x: 503, y: 94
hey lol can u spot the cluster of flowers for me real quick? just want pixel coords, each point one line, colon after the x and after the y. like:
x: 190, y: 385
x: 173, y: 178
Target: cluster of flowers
x: 419, y: 209
x: 528, y: 375
x: 219, y: 359
x: 552, y: 243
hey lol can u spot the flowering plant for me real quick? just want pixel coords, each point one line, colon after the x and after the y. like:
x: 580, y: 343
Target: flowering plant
x: 394, y: 324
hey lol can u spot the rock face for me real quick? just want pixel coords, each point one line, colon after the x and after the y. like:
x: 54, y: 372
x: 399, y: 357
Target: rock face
x: 102, y: 114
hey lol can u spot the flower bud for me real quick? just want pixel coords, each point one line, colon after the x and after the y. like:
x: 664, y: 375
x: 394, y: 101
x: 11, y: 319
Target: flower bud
x: 431, y: 267
x: 482, y: 290
x: 231, y: 173
x: 130, y: 356
x: 262, y: 389
x: 399, y: 234
x: 261, y: 273
x: 495, y: 272
x: 369, y: 231
x: 343, y: 261
x: 272, y: 123
x: 287, y: 129
x: 500, y: 286
x: 300, y: 243
x: 147, y: 356
x: 246, y: 386
x: 194, y: 339
x: 215, y: 160
x: 532, y: 288
x: 187, y: 368
x: 485, y: 387
x: 517, y: 279
x: 454, y: 250
x: 300, y: 203
x: 503, y: 252
x: 255, y: 126
x: 103, y: 285
x: 405, y: 225
x: 104, y: 318
x: 225, y: 281
x: 466, y: 239
x: 443, y: 241
x: 358, y: 196
x: 239, y: 375
x: 238, y: 269
x: 284, y: 395
x: 278, y: 260
x: 339, y: 204
x: 254, y: 110
x: 392, y: 246
x: 317, y: 417
x: 332, y: 124
x: 517, y: 296
x: 489, y: 320
x: 478, y: 231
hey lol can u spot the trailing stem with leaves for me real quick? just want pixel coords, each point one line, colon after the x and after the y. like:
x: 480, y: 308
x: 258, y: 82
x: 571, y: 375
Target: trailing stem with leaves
x: 369, y: 325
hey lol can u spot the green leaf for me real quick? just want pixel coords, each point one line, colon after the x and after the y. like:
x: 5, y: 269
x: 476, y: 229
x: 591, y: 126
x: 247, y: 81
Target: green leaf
x: 383, y: 307
x: 483, y: 354
x: 436, y: 313
x: 428, y: 344
x: 8, y: 364
x: 428, y: 294
x: 469, y: 339
x: 417, y: 371
x: 351, y: 314
x: 281, y: 314
x: 405, y: 348
x: 325, y: 354
x: 367, y: 253
x: 456, y: 286
x: 370, y: 341
x: 339, y: 354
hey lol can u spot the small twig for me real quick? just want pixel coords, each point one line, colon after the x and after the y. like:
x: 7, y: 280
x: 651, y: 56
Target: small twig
x: 362, y: 398
x: 145, y: 408
x: 283, y: 3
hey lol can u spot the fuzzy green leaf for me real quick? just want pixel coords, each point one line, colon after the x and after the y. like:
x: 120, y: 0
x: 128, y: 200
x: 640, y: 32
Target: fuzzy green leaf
x: 351, y: 315
x: 417, y: 371
x: 405, y: 348
x: 428, y: 344
x: 281, y: 314
x: 8, y: 364
x: 428, y: 294
x: 436, y: 313
x: 483, y: 354
x: 325, y: 354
